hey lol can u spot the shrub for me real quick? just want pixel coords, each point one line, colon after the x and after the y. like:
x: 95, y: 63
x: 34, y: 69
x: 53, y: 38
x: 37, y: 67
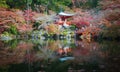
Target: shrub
x: 112, y: 32
x: 13, y: 30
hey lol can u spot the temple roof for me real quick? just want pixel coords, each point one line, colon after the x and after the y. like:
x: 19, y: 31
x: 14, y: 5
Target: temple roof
x: 65, y: 14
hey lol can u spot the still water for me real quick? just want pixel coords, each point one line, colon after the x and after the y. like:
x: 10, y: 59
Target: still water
x: 59, y: 56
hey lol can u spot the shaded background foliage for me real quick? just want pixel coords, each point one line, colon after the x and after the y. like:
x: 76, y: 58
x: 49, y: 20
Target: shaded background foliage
x: 3, y: 3
x: 55, y: 5
x: 38, y: 4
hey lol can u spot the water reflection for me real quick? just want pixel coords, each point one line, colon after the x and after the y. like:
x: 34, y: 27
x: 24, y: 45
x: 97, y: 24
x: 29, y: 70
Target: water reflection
x: 57, y: 56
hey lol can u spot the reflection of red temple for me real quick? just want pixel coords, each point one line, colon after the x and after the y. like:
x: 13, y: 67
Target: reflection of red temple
x: 64, y: 50
x: 63, y: 19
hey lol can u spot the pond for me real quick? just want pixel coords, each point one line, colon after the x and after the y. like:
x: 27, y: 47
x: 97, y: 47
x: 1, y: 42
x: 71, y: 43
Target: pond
x: 34, y: 55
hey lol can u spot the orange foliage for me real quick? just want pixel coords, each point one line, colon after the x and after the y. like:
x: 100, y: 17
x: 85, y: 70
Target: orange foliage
x: 105, y: 22
x: 10, y: 16
x: 13, y: 17
x: 52, y: 28
x: 69, y: 22
x: 6, y: 17
x: 24, y: 27
x: 94, y: 31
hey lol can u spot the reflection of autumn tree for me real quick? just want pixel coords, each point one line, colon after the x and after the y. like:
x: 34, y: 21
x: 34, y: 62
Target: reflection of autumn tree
x: 11, y: 56
x: 2, y: 45
x: 53, y: 45
x: 47, y: 50
x: 51, y: 49
x: 59, y: 47
x: 112, y: 52
x: 111, y: 48
x: 45, y: 53
x: 87, y: 51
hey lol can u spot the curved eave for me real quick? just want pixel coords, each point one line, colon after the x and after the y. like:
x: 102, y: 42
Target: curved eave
x: 65, y: 14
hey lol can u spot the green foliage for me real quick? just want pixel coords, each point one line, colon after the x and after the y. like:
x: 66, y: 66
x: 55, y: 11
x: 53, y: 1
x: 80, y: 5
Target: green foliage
x: 36, y: 25
x: 29, y: 2
x: 13, y: 30
x: 57, y: 4
x: 112, y: 47
x: 92, y: 3
x: 87, y: 3
x: 6, y: 36
x: 54, y: 5
x: 3, y: 3
x: 58, y: 66
x: 6, y: 33
x: 72, y: 27
x: 12, y: 43
x: 17, y: 3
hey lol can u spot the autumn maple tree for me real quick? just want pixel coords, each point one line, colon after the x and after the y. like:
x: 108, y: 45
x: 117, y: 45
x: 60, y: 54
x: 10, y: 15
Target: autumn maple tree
x: 111, y: 9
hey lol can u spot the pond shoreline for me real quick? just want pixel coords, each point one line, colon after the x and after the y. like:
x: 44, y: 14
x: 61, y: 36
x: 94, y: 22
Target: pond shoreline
x: 58, y: 37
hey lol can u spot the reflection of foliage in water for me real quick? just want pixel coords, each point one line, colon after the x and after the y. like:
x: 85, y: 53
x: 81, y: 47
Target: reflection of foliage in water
x: 67, y: 66
x: 112, y: 51
x: 43, y: 52
x: 58, y: 66
x: 47, y: 49
x: 43, y: 55
x: 13, y: 52
x: 111, y: 47
x: 11, y: 43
